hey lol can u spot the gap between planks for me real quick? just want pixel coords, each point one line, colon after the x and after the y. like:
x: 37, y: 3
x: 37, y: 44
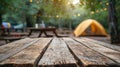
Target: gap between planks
x: 14, y: 48
x: 57, y: 54
x: 29, y: 56
x: 111, y: 46
x: 86, y: 56
x: 110, y: 53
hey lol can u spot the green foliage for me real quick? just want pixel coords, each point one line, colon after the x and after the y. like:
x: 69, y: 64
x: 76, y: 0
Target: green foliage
x: 117, y: 11
x: 97, y: 9
x: 54, y: 12
x: 8, y: 5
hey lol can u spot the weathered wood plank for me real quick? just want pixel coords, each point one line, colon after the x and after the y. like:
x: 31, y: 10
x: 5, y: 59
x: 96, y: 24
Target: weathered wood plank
x: 12, y: 45
x: 87, y: 57
x: 13, y: 48
x: 57, y: 55
x: 111, y: 46
x: 112, y: 54
x: 29, y: 56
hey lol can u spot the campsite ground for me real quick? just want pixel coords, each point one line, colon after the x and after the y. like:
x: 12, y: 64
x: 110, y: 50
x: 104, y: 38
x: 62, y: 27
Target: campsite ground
x: 103, y: 39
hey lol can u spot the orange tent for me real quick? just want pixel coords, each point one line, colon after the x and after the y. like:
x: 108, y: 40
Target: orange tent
x: 90, y: 27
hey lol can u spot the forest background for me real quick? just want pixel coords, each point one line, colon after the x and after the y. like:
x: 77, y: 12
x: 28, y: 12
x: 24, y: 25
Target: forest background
x: 65, y: 14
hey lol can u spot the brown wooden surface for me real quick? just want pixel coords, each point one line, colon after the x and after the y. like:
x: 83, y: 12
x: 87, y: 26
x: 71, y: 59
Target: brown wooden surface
x: 28, y: 57
x: 86, y: 56
x: 43, y: 30
x: 110, y: 53
x: 10, y: 39
x: 18, y: 34
x: 12, y: 48
x: 5, y: 31
x: 114, y: 47
x: 57, y: 54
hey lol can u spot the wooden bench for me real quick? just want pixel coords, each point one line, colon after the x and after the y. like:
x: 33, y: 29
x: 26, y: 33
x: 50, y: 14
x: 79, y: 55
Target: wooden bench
x: 58, y: 52
x: 10, y: 39
x: 4, y: 31
x: 18, y: 34
x: 8, y: 36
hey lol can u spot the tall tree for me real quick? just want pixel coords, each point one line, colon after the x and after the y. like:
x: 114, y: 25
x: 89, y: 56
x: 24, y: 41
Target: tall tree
x: 114, y: 33
x: 8, y: 6
x: 98, y: 4
x: 5, y: 5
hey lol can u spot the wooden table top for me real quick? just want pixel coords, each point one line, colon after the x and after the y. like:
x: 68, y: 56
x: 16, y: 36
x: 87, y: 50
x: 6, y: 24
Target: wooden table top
x: 59, y: 52
x: 40, y: 29
x: 43, y: 30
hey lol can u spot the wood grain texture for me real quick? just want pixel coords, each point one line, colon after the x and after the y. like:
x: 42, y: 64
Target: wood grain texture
x: 87, y: 57
x: 57, y: 55
x: 111, y: 46
x: 112, y: 54
x: 12, y: 48
x: 29, y: 56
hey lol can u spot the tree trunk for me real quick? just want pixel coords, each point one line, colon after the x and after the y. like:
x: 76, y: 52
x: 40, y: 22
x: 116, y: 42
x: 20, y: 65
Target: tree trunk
x: 0, y: 20
x: 114, y: 33
x: 38, y: 20
x: 29, y: 24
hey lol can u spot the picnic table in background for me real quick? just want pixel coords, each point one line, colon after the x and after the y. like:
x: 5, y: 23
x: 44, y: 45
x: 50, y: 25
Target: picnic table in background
x: 59, y: 52
x: 10, y: 32
x: 4, y: 31
x: 8, y: 35
x: 43, y: 30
